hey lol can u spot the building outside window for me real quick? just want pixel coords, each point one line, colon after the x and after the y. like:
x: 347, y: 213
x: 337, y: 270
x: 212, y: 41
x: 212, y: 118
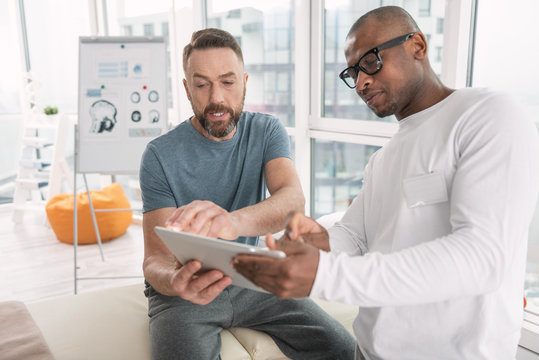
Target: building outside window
x: 440, y: 26
x: 164, y: 28
x: 424, y: 8
x: 148, y: 29
x: 265, y: 30
x: 337, y: 174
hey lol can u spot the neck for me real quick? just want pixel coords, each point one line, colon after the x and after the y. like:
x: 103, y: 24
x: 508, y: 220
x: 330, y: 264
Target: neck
x: 430, y: 93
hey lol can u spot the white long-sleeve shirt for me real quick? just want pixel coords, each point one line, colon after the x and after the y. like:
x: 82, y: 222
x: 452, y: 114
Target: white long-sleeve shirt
x: 433, y: 249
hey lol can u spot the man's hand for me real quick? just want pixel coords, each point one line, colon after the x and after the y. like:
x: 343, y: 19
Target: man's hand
x: 204, y: 218
x: 199, y: 288
x: 292, y: 277
x: 305, y: 229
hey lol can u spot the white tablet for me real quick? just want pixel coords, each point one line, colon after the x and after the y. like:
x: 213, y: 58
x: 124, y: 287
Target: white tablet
x: 212, y: 253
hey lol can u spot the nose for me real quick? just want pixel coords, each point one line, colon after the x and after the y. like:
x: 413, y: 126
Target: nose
x: 363, y: 81
x: 216, y: 95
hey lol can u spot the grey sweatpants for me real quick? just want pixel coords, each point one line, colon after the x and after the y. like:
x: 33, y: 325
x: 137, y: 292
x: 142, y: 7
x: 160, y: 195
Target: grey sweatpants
x: 180, y: 329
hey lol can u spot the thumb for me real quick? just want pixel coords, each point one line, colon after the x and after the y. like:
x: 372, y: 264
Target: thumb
x: 289, y: 247
x: 270, y: 242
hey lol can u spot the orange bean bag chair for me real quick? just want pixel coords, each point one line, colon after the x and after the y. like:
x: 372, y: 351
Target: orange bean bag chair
x: 111, y: 224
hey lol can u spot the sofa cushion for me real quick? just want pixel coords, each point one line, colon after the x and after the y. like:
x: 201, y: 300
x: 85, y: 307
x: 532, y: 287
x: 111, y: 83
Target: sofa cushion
x: 113, y: 324
x: 20, y: 338
x: 106, y: 324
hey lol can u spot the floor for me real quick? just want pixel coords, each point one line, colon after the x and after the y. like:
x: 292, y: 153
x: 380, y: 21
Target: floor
x: 36, y: 266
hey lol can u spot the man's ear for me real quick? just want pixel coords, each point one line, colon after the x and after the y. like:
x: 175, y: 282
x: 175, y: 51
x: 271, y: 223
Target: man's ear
x: 186, y: 89
x: 419, y: 43
x: 246, y: 77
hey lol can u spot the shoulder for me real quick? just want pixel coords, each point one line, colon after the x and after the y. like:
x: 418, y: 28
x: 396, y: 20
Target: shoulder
x: 493, y: 116
x: 260, y: 120
x: 172, y: 137
x: 484, y: 100
x: 261, y: 125
x: 496, y: 109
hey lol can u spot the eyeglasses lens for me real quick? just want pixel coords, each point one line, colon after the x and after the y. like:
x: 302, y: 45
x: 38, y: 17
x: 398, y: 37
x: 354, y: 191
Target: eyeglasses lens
x: 350, y: 77
x: 369, y: 64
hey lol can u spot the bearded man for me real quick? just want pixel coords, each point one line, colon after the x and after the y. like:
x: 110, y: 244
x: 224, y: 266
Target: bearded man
x: 209, y: 176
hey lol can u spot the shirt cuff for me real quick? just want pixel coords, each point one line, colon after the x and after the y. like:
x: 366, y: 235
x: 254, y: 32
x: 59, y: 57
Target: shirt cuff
x: 321, y: 273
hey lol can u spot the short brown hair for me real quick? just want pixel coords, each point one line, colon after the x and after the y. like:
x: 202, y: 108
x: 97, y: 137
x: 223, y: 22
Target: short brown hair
x: 208, y: 39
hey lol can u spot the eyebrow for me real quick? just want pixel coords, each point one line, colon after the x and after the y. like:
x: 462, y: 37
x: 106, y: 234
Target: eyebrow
x: 228, y: 74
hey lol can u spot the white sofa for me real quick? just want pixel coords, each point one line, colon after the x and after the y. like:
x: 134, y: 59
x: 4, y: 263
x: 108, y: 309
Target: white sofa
x: 113, y: 324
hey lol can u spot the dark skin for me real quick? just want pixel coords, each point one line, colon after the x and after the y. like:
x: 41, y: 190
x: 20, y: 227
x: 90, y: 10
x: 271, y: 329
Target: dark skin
x: 292, y: 277
x: 405, y: 85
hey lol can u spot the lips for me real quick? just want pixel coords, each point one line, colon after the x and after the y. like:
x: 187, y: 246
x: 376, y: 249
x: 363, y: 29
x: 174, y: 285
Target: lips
x: 217, y: 115
x: 370, y: 99
x: 218, y: 112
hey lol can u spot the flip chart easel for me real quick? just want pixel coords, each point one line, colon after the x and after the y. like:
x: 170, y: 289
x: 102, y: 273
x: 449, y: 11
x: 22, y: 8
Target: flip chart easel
x: 122, y: 106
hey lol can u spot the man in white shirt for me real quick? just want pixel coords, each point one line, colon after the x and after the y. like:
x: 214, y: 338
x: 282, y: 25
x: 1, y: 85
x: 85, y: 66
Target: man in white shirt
x: 433, y: 248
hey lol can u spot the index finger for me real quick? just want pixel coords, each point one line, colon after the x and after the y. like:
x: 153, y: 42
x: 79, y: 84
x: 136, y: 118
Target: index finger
x: 292, y: 225
x: 184, y: 215
x: 170, y: 223
x: 296, y: 225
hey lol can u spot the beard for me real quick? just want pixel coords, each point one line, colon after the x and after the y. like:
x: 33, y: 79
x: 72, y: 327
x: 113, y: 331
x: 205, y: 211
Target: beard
x: 399, y: 101
x: 219, y: 130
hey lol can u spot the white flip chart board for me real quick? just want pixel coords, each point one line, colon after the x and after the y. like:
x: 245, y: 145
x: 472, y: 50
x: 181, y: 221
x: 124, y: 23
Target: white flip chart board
x: 122, y: 101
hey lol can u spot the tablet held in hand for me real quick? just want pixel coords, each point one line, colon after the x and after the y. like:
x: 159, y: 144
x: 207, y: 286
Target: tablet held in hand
x: 212, y: 253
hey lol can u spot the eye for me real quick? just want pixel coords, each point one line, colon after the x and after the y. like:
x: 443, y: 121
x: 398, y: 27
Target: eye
x: 228, y: 83
x: 201, y: 85
x: 370, y: 61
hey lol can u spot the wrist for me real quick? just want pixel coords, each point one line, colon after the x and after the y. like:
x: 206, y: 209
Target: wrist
x: 319, y: 240
x: 236, y: 221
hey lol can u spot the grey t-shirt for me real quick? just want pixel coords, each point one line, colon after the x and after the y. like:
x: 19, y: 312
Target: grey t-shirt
x: 182, y: 165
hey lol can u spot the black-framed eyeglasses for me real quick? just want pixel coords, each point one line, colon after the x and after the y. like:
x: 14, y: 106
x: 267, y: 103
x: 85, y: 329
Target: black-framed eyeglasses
x: 371, y: 62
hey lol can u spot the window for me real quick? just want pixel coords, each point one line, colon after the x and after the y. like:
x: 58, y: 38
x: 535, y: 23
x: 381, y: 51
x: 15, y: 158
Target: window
x: 489, y: 37
x: 337, y: 174
x: 439, y: 26
x: 53, y: 49
x: 266, y: 31
x: 164, y: 28
x: 12, y: 64
x: 438, y: 53
x: 148, y: 30
x: 424, y: 8
x: 137, y: 17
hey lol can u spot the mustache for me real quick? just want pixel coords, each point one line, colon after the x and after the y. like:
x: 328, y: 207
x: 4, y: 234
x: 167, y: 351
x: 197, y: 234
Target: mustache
x: 218, y: 108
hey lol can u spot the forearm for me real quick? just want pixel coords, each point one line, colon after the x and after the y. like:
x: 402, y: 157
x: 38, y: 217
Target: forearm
x: 159, y: 263
x: 452, y: 266
x: 269, y: 216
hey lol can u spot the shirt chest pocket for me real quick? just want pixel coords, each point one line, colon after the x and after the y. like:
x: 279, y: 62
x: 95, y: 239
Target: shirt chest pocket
x: 424, y: 190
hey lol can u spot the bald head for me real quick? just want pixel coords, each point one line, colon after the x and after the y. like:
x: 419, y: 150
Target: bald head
x: 404, y: 82
x: 394, y: 19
